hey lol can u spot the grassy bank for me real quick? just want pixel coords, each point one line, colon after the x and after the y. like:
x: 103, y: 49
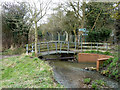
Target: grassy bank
x: 16, y: 51
x: 27, y: 72
x: 110, y: 67
x: 99, y: 52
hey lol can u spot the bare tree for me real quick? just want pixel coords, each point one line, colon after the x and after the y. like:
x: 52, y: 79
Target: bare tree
x: 78, y: 7
x: 37, y: 11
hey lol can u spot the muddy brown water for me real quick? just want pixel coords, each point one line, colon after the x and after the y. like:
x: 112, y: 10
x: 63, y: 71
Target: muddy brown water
x: 72, y: 74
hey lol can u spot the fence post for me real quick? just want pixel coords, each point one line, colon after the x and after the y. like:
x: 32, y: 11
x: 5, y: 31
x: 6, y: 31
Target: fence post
x: 32, y: 48
x: 81, y: 44
x: 68, y: 46
x: 39, y: 48
x: 75, y: 45
x: 56, y: 46
x: 26, y: 48
x: 60, y: 46
x: 85, y: 35
x: 48, y: 47
x: 106, y: 46
x: 97, y: 46
x: 78, y: 40
x: 91, y: 45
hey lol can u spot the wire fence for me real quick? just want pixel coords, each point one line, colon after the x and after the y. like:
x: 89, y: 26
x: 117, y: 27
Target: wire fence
x: 72, y: 38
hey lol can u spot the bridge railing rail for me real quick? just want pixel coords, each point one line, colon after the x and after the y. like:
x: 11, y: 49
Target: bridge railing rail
x: 67, y: 46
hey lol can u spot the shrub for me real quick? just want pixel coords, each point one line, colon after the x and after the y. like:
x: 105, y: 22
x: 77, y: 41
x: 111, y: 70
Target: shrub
x: 99, y: 35
x: 98, y: 52
x: 100, y: 82
x: 87, y: 80
x: 33, y: 54
x: 35, y: 59
x: 94, y: 86
x: 97, y: 84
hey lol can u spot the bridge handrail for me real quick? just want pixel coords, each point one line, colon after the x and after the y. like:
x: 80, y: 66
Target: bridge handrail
x: 69, y: 45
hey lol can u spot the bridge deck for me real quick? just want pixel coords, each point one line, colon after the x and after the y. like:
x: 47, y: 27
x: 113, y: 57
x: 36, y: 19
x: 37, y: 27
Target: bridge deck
x: 54, y: 52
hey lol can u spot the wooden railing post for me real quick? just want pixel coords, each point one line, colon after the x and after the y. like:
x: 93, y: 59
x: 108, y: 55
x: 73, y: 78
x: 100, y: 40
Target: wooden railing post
x: 106, y: 46
x: 91, y: 45
x: 78, y: 40
x: 81, y: 44
x: 48, y: 47
x: 75, y: 45
x: 39, y: 47
x: 56, y: 46
x: 60, y: 46
x: 97, y: 46
x: 68, y: 46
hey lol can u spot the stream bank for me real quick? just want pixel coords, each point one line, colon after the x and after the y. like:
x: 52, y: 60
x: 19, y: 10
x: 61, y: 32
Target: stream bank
x: 72, y: 74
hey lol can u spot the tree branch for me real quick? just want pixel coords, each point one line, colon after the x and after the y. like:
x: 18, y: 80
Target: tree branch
x: 96, y: 20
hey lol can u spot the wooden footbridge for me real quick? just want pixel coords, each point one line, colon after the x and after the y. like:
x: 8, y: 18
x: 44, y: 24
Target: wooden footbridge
x: 55, y: 47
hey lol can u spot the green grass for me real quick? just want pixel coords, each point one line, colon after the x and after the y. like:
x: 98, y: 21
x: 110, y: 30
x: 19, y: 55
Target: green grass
x: 16, y: 51
x: 27, y: 72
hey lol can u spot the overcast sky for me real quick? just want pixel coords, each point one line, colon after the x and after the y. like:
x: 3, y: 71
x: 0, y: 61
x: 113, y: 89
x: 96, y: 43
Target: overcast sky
x: 52, y: 5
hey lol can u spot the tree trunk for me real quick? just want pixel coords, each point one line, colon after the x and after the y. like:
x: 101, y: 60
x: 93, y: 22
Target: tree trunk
x: 83, y: 21
x: 96, y: 21
x: 66, y: 36
x: 75, y: 35
x: 36, y: 39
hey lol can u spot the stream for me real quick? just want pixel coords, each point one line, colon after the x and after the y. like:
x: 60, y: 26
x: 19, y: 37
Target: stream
x: 72, y: 74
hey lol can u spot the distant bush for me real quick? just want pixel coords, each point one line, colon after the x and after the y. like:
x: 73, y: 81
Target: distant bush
x: 98, y: 52
x: 99, y: 35
x: 14, y: 52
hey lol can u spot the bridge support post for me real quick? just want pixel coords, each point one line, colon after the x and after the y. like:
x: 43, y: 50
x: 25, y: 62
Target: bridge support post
x: 26, y: 48
x: 56, y: 46
x: 32, y: 48
x: 48, y: 47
